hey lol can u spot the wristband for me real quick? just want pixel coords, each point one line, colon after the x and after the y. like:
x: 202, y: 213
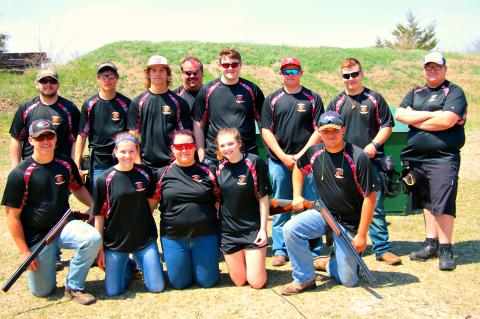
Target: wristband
x: 376, y: 145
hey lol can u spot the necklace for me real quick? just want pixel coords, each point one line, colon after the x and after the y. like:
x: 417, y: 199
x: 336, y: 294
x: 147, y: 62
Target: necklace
x: 353, y: 101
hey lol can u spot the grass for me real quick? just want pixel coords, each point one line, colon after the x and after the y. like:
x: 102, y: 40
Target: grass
x: 417, y: 290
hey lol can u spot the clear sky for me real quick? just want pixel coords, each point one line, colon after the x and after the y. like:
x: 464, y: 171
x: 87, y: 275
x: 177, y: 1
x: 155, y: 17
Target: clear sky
x: 67, y: 28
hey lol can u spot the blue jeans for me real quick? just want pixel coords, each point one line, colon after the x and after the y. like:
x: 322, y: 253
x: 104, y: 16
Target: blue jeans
x: 75, y: 235
x: 282, y: 189
x: 310, y: 224
x: 190, y: 260
x: 378, y: 228
x: 119, y: 271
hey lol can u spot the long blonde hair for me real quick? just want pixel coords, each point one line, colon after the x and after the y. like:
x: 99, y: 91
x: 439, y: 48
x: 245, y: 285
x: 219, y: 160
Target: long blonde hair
x: 228, y: 131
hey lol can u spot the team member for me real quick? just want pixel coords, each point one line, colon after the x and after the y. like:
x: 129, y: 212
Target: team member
x: 154, y: 114
x: 289, y: 117
x: 47, y: 105
x: 244, y: 185
x: 346, y: 183
x: 35, y: 199
x: 192, y: 79
x: 102, y: 116
x: 436, y: 115
x: 123, y: 209
x: 369, y: 122
x: 228, y: 101
x: 188, y: 195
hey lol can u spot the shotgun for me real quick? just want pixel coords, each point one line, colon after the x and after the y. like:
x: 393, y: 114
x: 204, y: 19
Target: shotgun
x: 47, y: 240
x: 279, y: 206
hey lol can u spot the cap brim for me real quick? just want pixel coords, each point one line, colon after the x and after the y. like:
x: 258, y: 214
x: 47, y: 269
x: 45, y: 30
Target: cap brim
x: 330, y: 125
x: 37, y: 134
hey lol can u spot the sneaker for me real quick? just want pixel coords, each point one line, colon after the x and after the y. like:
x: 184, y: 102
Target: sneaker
x: 80, y: 296
x: 279, y: 260
x: 294, y: 288
x: 390, y: 259
x: 446, y: 260
x: 428, y: 251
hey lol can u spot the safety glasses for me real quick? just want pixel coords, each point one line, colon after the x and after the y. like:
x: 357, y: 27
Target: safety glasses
x: 184, y: 146
x: 291, y: 72
x: 330, y: 120
x: 43, y: 137
x: 48, y: 80
x: 190, y: 73
x: 232, y: 65
x: 353, y: 75
x: 106, y: 76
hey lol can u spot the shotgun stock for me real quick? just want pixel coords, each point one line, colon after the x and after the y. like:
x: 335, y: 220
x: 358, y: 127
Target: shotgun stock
x: 279, y: 206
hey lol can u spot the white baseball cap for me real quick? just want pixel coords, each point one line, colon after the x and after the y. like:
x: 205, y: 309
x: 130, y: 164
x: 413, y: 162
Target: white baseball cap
x: 435, y: 57
x: 157, y: 60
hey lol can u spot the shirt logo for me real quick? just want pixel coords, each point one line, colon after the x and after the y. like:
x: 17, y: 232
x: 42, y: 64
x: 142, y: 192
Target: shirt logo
x: 59, y: 179
x: 166, y: 110
x: 242, y: 180
x: 433, y: 98
x: 363, y: 109
x: 139, y: 186
x: 197, y: 178
x: 301, y: 107
x: 115, y: 116
x: 56, y: 120
x: 239, y: 98
x: 339, y: 172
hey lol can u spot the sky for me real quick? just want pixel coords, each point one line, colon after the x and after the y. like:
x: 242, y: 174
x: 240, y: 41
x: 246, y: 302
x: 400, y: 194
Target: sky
x: 66, y: 29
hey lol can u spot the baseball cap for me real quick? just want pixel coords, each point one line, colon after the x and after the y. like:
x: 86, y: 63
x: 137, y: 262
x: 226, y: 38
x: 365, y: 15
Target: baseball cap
x: 38, y: 127
x: 157, y: 60
x: 330, y: 119
x: 291, y: 60
x: 107, y: 65
x: 435, y: 57
x: 45, y: 73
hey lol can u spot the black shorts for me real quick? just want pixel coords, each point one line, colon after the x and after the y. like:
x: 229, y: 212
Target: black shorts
x: 435, y: 187
x: 231, y: 243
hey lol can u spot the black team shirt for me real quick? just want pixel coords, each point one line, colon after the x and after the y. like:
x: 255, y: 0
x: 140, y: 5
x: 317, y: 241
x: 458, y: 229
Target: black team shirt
x: 100, y: 120
x: 129, y: 224
x: 292, y: 118
x: 49, y: 186
x: 237, y: 105
x: 363, y: 115
x: 187, y: 201
x: 335, y: 180
x: 63, y: 114
x: 436, y: 146
x: 155, y: 117
x: 188, y: 96
x: 240, y: 208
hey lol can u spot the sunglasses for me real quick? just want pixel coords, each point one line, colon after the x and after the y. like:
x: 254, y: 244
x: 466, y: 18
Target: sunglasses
x: 106, y: 76
x: 233, y: 65
x: 43, y: 137
x: 353, y: 75
x: 184, y: 146
x: 190, y: 73
x: 330, y: 120
x: 435, y: 68
x: 45, y: 81
x: 290, y: 72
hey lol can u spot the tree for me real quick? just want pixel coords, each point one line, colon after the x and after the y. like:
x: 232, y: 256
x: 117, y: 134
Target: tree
x: 3, y: 42
x: 411, y: 36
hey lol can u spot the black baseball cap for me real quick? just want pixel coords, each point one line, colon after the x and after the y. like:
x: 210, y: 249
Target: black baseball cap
x: 107, y: 65
x: 38, y: 127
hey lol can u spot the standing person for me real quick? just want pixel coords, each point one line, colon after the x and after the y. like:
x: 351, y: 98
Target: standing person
x: 436, y: 115
x: 188, y: 195
x: 192, y: 79
x: 103, y: 115
x: 289, y: 117
x: 368, y: 122
x: 123, y: 208
x: 245, y: 186
x: 47, y: 105
x: 228, y: 101
x: 35, y: 199
x: 156, y: 112
x: 346, y: 182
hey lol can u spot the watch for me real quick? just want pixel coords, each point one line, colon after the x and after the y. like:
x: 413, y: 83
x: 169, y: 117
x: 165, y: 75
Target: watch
x: 377, y: 145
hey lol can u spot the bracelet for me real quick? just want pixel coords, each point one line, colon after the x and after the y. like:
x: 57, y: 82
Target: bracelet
x: 376, y: 145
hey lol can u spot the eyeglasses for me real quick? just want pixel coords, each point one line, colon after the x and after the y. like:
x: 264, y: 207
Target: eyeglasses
x: 43, y: 137
x: 45, y: 81
x: 106, y: 76
x: 331, y: 120
x: 290, y: 72
x: 354, y: 75
x: 190, y: 73
x: 435, y: 68
x: 233, y: 65
x: 184, y: 146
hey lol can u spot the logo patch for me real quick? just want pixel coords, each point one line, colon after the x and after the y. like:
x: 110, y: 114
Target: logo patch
x: 363, y: 109
x: 339, y: 172
x: 139, y: 186
x: 239, y: 98
x: 166, y: 110
x: 433, y: 98
x: 59, y: 179
x: 56, y: 120
x: 301, y: 107
x: 197, y: 178
x: 115, y: 116
x: 242, y: 180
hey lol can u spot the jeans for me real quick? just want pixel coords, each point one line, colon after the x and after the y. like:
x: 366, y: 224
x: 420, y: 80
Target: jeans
x: 119, y: 271
x: 282, y: 189
x: 75, y: 235
x: 310, y: 224
x: 378, y: 228
x: 190, y: 260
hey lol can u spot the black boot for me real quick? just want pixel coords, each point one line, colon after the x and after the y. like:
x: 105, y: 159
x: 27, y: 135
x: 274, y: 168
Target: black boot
x: 446, y: 260
x: 428, y: 251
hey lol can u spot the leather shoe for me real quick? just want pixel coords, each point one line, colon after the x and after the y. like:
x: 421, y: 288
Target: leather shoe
x: 320, y: 263
x: 279, y: 260
x: 390, y: 259
x: 294, y: 288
